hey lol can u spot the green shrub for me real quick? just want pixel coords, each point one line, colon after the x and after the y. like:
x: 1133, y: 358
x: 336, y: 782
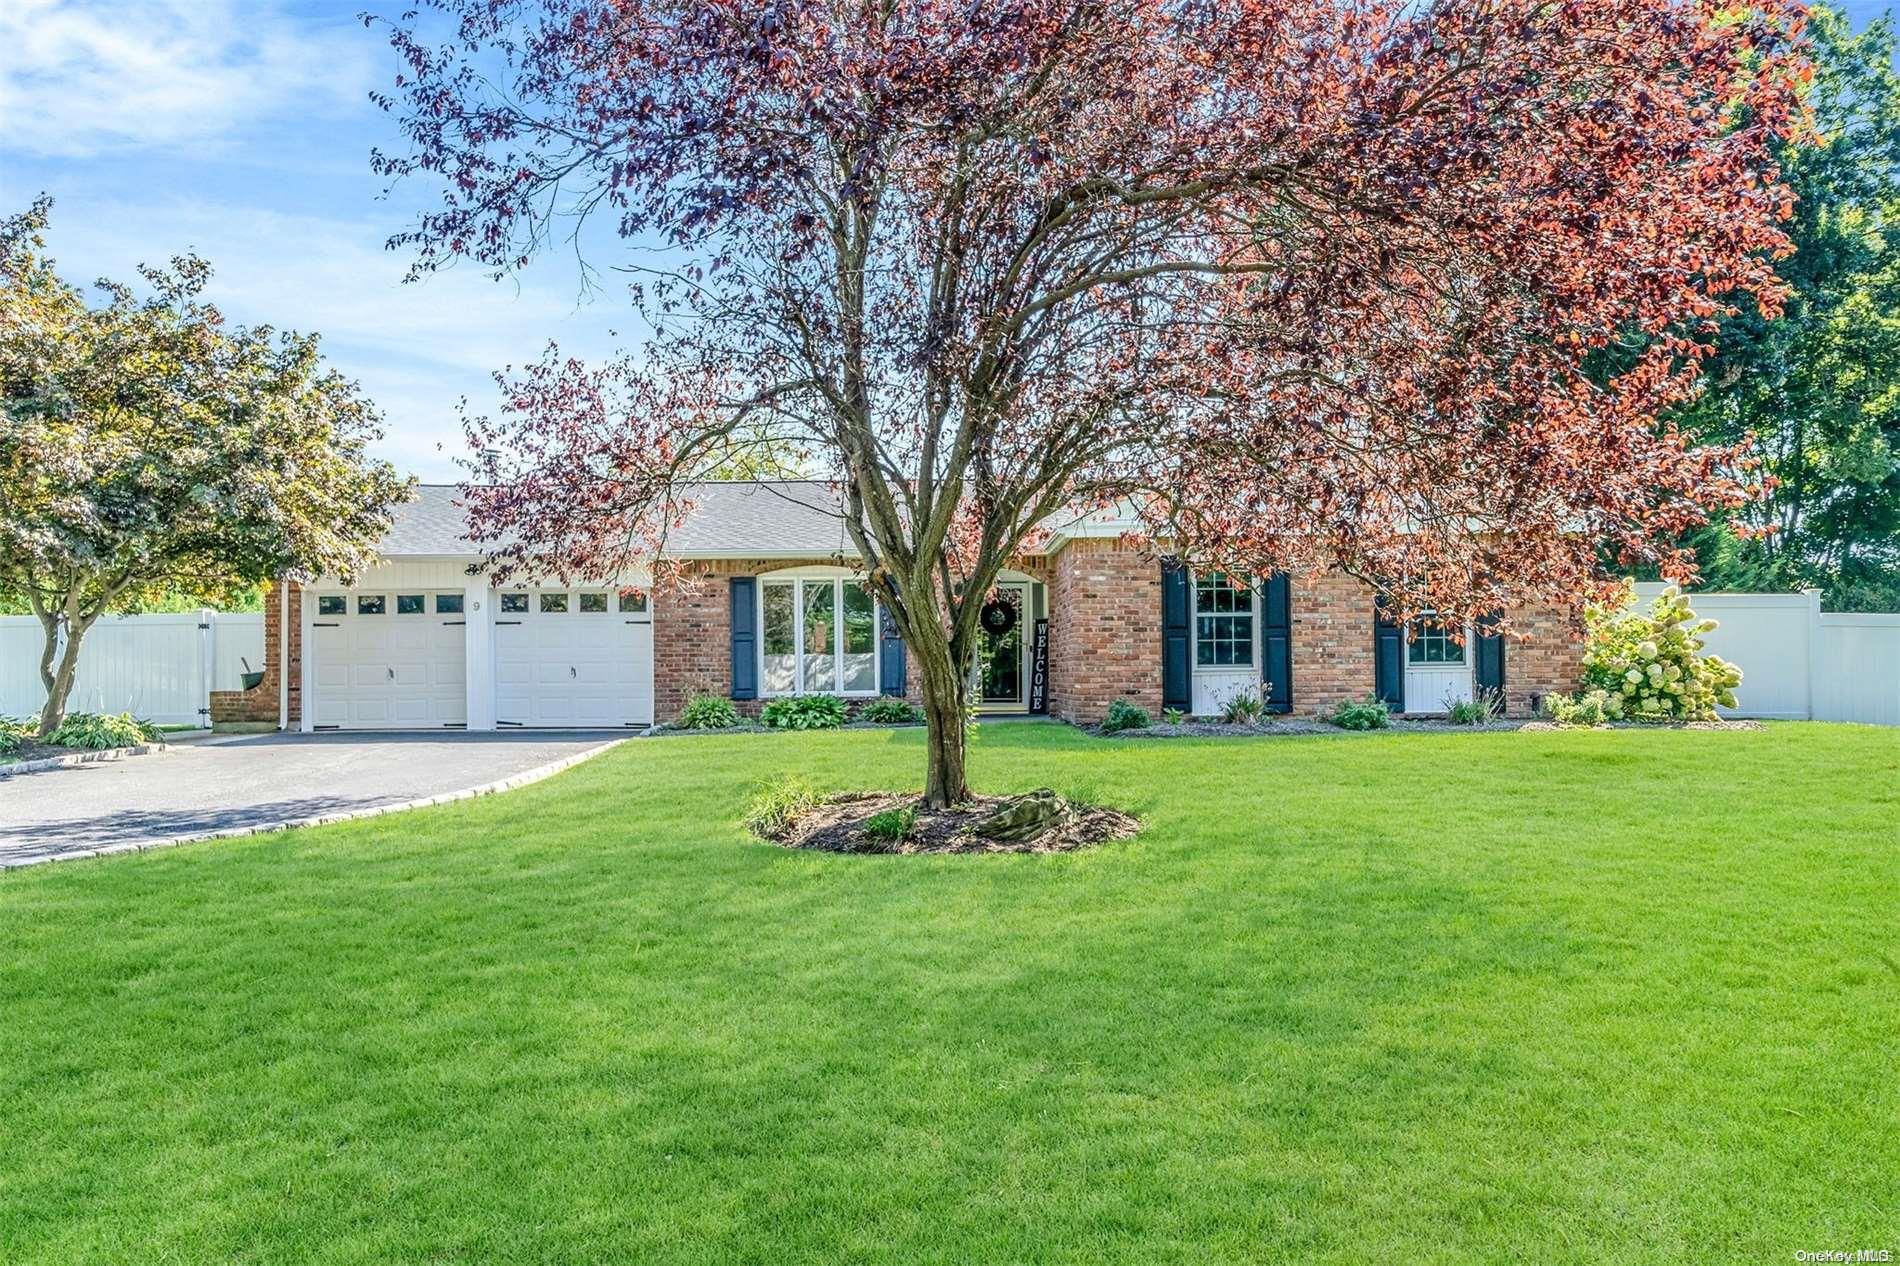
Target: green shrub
x: 708, y: 712
x: 1245, y: 708
x: 778, y: 805
x: 1369, y: 713
x: 891, y: 826
x: 888, y: 711
x: 14, y: 733
x: 1650, y: 666
x: 97, y: 730
x: 1481, y: 709
x: 1123, y: 715
x: 1584, y: 710
x: 804, y: 712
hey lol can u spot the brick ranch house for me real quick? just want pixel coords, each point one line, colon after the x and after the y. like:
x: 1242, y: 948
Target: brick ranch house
x: 771, y: 606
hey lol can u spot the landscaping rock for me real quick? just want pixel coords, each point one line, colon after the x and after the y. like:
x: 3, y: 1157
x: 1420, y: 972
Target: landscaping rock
x: 1025, y: 817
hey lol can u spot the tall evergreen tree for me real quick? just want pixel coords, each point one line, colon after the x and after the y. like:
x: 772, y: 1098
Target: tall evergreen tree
x: 1820, y: 386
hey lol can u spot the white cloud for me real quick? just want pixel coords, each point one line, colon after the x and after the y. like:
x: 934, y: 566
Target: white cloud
x: 79, y: 77
x: 416, y: 348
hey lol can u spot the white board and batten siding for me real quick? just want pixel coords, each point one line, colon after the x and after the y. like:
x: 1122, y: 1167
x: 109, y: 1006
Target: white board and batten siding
x: 161, y: 668
x: 1800, y: 663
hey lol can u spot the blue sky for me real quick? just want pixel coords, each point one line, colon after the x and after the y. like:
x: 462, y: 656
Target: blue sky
x: 241, y: 129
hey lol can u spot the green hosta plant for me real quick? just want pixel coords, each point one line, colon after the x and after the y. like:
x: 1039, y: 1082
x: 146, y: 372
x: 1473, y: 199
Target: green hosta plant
x: 1123, y: 715
x: 93, y: 730
x: 1369, y: 713
x: 888, y: 711
x: 14, y: 732
x: 804, y: 712
x: 708, y: 712
x: 1650, y: 666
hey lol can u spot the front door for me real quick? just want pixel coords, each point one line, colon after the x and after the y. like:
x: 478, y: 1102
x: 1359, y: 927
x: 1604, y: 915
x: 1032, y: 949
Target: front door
x: 1000, y: 674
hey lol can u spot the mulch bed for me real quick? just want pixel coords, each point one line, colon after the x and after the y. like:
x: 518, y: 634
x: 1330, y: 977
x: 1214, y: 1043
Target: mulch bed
x: 30, y: 750
x: 837, y: 826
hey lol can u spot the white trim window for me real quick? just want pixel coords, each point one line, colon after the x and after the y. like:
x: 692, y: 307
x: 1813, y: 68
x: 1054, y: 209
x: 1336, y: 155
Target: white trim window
x: 1223, y: 623
x: 817, y: 635
x: 1432, y: 645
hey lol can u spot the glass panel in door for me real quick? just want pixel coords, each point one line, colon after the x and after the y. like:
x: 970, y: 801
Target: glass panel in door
x: 1000, y: 654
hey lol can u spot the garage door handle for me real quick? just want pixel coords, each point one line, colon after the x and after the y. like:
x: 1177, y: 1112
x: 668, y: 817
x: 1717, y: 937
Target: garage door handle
x: 571, y: 672
x: 391, y: 672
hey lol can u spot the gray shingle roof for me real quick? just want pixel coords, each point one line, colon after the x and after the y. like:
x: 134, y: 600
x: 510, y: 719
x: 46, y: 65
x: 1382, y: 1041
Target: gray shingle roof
x: 729, y: 520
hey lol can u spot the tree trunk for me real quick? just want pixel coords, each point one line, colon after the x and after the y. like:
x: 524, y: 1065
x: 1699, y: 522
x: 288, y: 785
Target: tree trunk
x: 57, y: 672
x: 946, y: 702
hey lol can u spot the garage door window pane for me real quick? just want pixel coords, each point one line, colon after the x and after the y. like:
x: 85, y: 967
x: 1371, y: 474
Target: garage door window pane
x: 332, y: 604
x: 371, y: 605
x: 514, y: 603
x: 448, y: 604
x: 409, y: 604
x: 779, y: 671
x: 593, y: 602
x: 633, y: 604
x: 860, y: 638
x: 553, y: 604
x: 821, y: 646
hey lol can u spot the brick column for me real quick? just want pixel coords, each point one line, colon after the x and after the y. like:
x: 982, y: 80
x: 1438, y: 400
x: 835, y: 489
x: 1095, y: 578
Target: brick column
x: 250, y: 709
x: 1104, y: 630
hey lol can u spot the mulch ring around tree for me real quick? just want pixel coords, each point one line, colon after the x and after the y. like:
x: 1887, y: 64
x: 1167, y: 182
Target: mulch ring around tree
x: 1040, y: 822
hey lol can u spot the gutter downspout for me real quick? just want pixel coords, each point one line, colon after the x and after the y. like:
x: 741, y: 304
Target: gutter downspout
x: 283, y: 655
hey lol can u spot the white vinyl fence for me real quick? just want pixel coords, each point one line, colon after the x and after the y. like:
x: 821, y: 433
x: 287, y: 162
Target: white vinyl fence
x: 162, y: 668
x: 1799, y: 662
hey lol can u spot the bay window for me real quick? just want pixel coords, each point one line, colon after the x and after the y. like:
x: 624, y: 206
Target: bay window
x: 818, y: 635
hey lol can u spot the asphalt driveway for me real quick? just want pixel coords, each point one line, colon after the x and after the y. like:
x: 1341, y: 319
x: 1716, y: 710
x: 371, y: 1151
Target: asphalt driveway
x: 199, y: 788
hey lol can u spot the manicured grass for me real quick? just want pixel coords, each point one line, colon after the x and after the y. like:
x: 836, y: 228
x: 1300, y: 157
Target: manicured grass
x: 1501, y: 997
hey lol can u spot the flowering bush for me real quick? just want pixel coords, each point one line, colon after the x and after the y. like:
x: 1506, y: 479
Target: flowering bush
x: 1648, y: 667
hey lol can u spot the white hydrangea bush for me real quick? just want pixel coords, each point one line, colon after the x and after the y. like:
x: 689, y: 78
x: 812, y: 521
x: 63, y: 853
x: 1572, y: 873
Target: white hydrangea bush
x: 1650, y: 666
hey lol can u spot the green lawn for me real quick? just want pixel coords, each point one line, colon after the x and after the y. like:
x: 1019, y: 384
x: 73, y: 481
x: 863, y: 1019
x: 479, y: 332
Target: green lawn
x: 1499, y: 997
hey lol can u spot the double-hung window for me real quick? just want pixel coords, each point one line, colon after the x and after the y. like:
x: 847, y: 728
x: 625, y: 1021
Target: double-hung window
x: 1433, y: 644
x: 818, y: 635
x: 1223, y: 623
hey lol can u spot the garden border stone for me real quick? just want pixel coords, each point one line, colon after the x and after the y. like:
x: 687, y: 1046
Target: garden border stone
x: 91, y: 757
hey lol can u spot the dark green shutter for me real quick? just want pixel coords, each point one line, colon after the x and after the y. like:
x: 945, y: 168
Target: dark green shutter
x: 890, y: 650
x: 1388, y: 659
x: 1490, y: 653
x: 745, y: 638
x: 1276, y: 642
x: 1177, y: 688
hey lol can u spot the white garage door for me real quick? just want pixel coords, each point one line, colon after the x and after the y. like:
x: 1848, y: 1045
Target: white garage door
x: 573, y: 658
x: 388, y: 661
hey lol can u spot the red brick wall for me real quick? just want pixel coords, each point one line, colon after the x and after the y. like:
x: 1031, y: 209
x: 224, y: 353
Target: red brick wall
x: 1104, y: 630
x: 230, y: 707
x: 1548, y: 660
x: 692, y: 636
x: 1105, y: 638
x: 1332, y: 641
